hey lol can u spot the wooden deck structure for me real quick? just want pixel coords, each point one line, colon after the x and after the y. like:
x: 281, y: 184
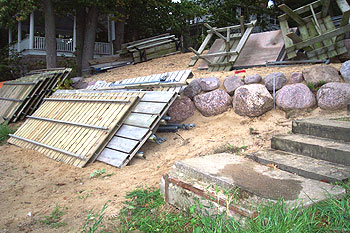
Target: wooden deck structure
x: 74, y: 127
x: 142, y: 122
x: 169, y: 81
x: 21, y: 97
x: 227, y: 51
x: 319, y: 37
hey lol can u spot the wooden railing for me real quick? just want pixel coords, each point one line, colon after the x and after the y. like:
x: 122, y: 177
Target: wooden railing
x: 66, y: 45
x: 103, y: 48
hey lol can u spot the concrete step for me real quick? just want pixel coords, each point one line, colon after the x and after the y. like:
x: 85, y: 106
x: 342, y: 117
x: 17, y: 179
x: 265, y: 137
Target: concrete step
x: 324, y: 128
x: 318, y: 148
x: 303, y: 165
x: 208, y: 178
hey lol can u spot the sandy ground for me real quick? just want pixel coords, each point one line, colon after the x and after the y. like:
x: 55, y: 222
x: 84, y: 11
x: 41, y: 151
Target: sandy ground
x: 31, y: 184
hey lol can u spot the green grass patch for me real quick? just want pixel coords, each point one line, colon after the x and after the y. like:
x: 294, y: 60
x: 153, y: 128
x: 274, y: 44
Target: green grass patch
x: 145, y: 211
x: 5, y: 130
x: 55, y: 217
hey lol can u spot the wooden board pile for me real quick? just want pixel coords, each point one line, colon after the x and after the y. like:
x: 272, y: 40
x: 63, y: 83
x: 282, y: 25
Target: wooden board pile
x: 74, y: 127
x: 228, y: 49
x: 154, y: 47
x: 169, y: 81
x: 23, y: 96
x: 319, y: 37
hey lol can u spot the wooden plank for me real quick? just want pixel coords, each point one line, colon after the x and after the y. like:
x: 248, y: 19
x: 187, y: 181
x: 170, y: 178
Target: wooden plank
x: 201, y: 48
x: 292, y: 14
x: 213, y: 30
x: 113, y: 157
x: 122, y: 144
x: 149, y: 107
x: 132, y: 132
x: 302, y: 9
x: 141, y: 120
x: 157, y: 96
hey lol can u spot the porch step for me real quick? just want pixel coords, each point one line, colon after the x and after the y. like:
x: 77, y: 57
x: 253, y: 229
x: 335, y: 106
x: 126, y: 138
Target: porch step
x: 324, y: 128
x: 303, y: 165
x: 315, y: 147
x: 206, y: 179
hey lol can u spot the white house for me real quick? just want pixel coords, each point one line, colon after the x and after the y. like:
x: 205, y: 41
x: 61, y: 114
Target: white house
x: 33, y: 43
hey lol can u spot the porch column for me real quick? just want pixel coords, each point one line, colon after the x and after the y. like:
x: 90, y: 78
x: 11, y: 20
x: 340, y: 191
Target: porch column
x: 74, y: 33
x: 31, y: 31
x: 19, y: 36
x: 113, y: 29
x: 10, y: 36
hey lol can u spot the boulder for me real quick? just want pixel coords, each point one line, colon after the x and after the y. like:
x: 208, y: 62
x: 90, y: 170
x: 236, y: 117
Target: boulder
x: 256, y: 78
x: 181, y: 109
x: 232, y: 83
x: 281, y: 80
x: 334, y: 96
x: 213, y: 103
x: 295, y: 96
x: 321, y: 74
x: 209, y: 84
x: 192, y: 89
x: 296, y: 77
x: 252, y: 100
x: 345, y: 71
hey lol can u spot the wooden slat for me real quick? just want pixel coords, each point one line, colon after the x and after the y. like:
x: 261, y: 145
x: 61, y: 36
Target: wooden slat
x: 141, y: 120
x: 149, y: 107
x: 132, y: 132
x: 122, y: 144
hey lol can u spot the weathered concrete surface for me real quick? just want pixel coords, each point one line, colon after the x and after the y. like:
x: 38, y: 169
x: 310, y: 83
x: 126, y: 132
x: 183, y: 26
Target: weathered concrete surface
x: 319, y: 148
x: 302, y: 165
x: 256, y: 183
x: 325, y: 128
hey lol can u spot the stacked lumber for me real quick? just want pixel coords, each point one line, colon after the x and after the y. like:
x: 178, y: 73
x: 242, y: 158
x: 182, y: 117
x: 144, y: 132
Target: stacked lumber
x: 154, y: 47
x: 319, y: 37
x: 23, y: 96
x: 74, y: 127
x: 230, y: 44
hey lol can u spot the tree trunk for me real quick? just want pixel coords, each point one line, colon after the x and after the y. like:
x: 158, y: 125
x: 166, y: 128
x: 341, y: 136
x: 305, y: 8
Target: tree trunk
x: 50, y: 34
x: 89, y: 38
x: 119, y: 30
x: 80, y: 20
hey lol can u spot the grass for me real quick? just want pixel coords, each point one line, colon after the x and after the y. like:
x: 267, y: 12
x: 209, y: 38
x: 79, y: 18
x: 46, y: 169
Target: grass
x: 228, y: 148
x: 54, y: 219
x: 94, y: 221
x: 145, y: 211
x: 5, y: 130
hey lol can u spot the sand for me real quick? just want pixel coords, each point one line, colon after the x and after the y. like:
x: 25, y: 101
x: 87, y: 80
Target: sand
x: 32, y: 184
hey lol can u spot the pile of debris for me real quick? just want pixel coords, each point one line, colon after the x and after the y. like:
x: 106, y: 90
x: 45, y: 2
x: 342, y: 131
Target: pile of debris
x: 23, y: 96
x: 108, y: 123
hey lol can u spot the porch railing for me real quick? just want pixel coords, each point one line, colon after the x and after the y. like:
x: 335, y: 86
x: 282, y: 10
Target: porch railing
x: 64, y: 45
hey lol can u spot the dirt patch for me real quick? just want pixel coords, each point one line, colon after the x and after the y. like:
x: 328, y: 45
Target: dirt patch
x: 32, y: 183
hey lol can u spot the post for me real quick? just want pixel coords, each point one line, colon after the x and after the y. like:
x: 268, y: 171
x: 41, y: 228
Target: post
x: 31, y: 31
x: 10, y: 41
x: 19, y: 36
x: 10, y: 36
x: 113, y: 29
x: 75, y: 33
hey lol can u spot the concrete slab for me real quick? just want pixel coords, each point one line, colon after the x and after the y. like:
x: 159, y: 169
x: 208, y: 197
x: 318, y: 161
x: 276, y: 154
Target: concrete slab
x: 202, y: 177
x: 325, y: 128
x: 315, y: 147
x: 302, y: 165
